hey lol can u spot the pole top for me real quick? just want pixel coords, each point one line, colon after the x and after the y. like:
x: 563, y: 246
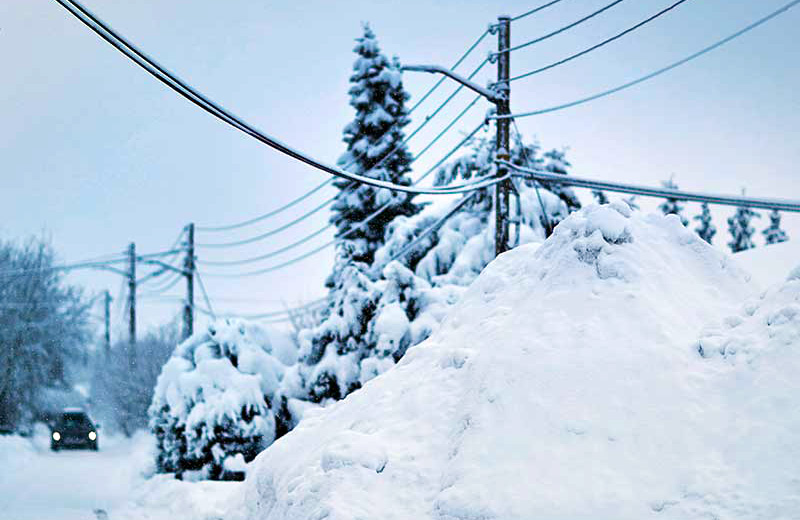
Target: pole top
x: 504, y: 17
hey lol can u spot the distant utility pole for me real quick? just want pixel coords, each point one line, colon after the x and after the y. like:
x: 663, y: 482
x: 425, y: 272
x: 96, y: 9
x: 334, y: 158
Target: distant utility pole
x: 107, y: 322
x: 188, y: 272
x: 501, y: 205
x: 132, y: 303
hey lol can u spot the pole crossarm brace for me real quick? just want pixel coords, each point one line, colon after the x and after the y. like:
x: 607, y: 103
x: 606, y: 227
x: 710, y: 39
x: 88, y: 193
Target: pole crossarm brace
x: 491, y: 95
x: 726, y: 200
x: 164, y: 267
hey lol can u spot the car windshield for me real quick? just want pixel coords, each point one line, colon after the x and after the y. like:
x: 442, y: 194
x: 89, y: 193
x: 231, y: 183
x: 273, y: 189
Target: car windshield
x: 74, y: 421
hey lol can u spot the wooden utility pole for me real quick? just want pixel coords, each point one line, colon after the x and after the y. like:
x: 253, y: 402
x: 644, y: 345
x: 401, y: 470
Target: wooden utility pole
x: 107, y: 322
x: 501, y: 202
x: 188, y: 272
x: 132, y: 304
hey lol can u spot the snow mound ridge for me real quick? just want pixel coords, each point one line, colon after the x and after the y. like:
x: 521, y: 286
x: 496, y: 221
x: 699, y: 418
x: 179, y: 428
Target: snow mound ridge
x: 562, y: 385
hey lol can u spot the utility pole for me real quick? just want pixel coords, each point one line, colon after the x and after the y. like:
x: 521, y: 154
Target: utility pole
x: 501, y: 202
x: 132, y: 304
x: 107, y: 322
x: 188, y: 269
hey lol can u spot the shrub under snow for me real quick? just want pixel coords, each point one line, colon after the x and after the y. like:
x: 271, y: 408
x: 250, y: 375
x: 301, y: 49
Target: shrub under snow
x: 217, y: 402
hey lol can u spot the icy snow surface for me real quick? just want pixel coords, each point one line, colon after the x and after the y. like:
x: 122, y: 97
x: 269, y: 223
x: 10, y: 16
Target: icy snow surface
x: 568, y: 383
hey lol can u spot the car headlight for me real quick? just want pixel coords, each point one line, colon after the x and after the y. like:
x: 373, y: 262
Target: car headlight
x: 92, y: 436
x: 56, y: 436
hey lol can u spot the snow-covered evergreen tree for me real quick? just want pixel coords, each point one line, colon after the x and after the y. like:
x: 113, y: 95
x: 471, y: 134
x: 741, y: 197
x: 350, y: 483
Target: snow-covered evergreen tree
x: 218, y: 402
x: 740, y: 229
x: 374, y: 148
x: 773, y: 234
x: 600, y: 196
x: 672, y: 206
x: 331, y: 351
x: 705, y: 228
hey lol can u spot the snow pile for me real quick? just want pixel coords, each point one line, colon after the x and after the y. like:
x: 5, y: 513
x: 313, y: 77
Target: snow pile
x: 566, y: 383
x: 217, y: 398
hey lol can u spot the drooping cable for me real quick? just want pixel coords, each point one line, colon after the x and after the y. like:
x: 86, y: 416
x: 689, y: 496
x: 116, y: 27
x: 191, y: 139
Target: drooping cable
x: 656, y: 73
x: 561, y: 30
x: 618, y: 187
x: 203, y: 102
x: 545, y: 218
x: 535, y: 10
x: 599, y: 45
x: 356, y: 226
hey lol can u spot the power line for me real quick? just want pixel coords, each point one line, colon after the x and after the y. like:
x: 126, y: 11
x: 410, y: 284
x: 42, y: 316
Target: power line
x: 535, y: 10
x: 561, y: 30
x: 201, y: 101
x: 658, y: 72
x: 536, y: 184
x: 354, y: 227
x: 270, y: 254
x: 319, y: 231
x: 601, y: 44
x: 269, y: 233
x: 455, y: 65
x: 272, y: 213
x: 326, y: 202
x: 433, y: 227
x: 427, y: 119
x: 725, y: 200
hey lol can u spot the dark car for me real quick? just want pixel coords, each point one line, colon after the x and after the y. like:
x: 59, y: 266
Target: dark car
x: 73, y: 429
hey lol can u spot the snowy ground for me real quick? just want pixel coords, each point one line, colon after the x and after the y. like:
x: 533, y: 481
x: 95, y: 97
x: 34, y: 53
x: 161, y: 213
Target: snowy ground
x: 37, y: 484
x: 623, y: 370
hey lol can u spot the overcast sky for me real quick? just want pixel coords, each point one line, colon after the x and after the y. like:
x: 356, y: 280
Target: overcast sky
x: 95, y: 153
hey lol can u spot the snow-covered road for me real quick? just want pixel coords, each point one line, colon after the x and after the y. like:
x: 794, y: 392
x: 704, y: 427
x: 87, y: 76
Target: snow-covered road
x: 37, y: 484
x: 110, y: 484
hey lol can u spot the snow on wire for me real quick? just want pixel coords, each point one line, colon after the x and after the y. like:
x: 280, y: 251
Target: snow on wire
x: 726, y: 200
x: 179, y: 86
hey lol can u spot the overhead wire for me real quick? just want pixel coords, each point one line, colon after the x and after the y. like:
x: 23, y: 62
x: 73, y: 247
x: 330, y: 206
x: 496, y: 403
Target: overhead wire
x: 601, y: 44
x: 545, y: 217
x: 354, y: 227
x: 618, y: 187
x: 433, y: 227
x: 561, y: 30
x: 319, y: 231
x: 328, y: 181
x: 203, y: 102
x: 656, y: 73
x: 535, y: 10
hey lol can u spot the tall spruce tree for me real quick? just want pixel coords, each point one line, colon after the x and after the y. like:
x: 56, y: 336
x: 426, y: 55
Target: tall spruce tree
x: 672, y: 206
x: 331, y: 351
x: 705, y: 228
x: 773, y: 234
x: 740, y: 229
x: 375, y: 149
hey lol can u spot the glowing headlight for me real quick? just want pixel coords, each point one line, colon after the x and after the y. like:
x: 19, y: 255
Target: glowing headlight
x: 92, y: 436
x: 56, y: 436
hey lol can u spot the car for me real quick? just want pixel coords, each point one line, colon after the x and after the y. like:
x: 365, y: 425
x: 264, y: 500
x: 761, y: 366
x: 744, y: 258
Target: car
x: 73, y: 429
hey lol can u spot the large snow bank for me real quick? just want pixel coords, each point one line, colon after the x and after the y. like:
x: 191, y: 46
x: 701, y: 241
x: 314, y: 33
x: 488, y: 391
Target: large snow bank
x: 567, y: 383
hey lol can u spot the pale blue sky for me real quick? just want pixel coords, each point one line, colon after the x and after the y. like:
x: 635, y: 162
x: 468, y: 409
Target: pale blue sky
x: 97, y: 153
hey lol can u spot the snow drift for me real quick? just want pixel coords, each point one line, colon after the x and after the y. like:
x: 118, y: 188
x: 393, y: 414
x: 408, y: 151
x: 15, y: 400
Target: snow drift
x: 576, y: 380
